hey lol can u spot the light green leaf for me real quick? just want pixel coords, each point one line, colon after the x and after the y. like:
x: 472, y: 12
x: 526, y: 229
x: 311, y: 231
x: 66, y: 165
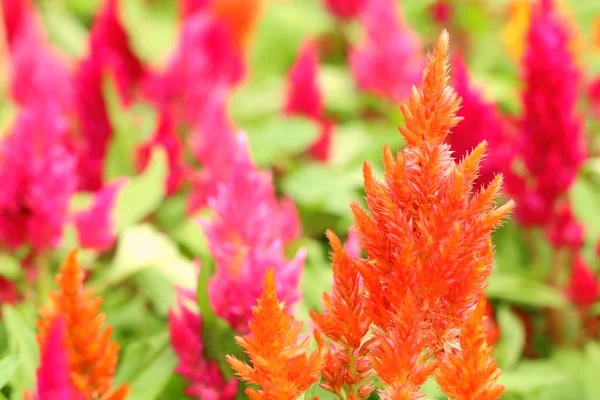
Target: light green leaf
x: 143, y: 194
x: 339, y: 89
x: 190, y: 235
x: 591, y: 371
x: 21, y: 343
x: 8, y: 366
x: 585, y: 197
x: 64, y: 30
x: 522, y: 290
x: 255, y: 101
x: 530, y: 376
x: 512, y: 338
x: 10, y: 267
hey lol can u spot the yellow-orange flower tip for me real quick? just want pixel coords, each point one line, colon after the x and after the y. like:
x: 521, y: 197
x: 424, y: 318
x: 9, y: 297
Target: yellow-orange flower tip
x: 430, y: 111
x: 242, y: 17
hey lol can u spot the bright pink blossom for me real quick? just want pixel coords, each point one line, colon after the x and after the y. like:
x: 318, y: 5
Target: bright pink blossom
x: 17, y: 15
x: 96, y: 227
x: 594, y: 96
x: 345, y: 9
x: 38, y: 178
x: 321, y: 149
x: 204, y: 378
x: 565, y: 231
x: 389, y: 62
x: 551, y: 139
x: 54, y: 374
x: 165, y: 137
x: 352, y: 245
x: 441, y: 11
x: 481, y: 122
x: 247, y: 237
x: 190, y: 7
x: 583, y: 287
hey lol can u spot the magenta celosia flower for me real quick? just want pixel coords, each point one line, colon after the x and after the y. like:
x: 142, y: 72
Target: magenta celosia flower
x: 54, y: 374
x: 583, y: 287
x: 109, y: 41
x: 441, y: 11
x: 17, y: 15
x: 565, y: 231
x: 481, y: 122
x: 190, y: 7
x: 165, y: 137
x: 594, y: 96
x: 204, y: 378
x: 38, y: 178
x: 321, y: 149
x: 206, y: 61
x: 8, y: 292
x: 247, y: 237
x: 96, y: 227
x: 389, y: 62
x: 551, y: 140
x: 345, y: 9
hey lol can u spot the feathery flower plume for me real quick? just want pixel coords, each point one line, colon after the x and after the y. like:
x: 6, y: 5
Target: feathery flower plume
x: 389, y: 42
x: 427, y: 236
x: 92, y: 355
x: 551, y: 140
x: 470, y: 372
x: 281, y: 363
x: 583, y: 289
x: 345, y: 9
x: 345, y: 322
x: 204, y: 378
x: 53, y: 374
x: 248, y: 237
x: 304, y: 98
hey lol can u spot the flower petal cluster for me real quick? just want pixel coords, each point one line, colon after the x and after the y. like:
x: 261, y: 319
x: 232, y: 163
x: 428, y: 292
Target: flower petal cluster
x: 345, y: 9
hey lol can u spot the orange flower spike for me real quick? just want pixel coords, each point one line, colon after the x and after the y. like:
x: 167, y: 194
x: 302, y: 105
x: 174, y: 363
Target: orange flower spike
x: 92, y: 355
x: 282, y: 366
x: 345, y: 322
x: 242, y: 17
x: 470, y: 372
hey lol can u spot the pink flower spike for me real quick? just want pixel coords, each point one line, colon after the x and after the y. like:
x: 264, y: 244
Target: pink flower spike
x: 53, y: 374
x: 352, y: 245
x: 303, y: 95
x: 204, y: 378
x: 109, y: 41
x: 389, y: 43
x: 565, y: 230
x: 96, y: 226
x: 321, y: 149
x: 345, y: 9
x: 190, y: 7
x: 165, y: 137
x: 594, y: 96
x: 17, y: 15
x: 583, y: 288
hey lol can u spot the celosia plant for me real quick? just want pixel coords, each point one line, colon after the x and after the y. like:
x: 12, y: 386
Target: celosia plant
x: 420, y: 289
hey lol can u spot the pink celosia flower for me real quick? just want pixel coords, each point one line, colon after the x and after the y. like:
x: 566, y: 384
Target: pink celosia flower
x: 54, y: 374
x: 304, y: 98
x: 441, y: 11
x: 551, y: 140
x: 594, y: 96
x: 38, y: 178
x: 204, y: 378
x: 583, y: 287
x: 17, y: 15
x: 110, y: 42
x: 481, y: 121
x: 247, y: 237
x: 8, y: 292
x: 345, y: 9
x: 565, y: 231
x: 389, y: 62
x: 96, y: 226
x: 165, y: 137
x: 206, y: 60
x: 190, y: 7
x: 352, y: 245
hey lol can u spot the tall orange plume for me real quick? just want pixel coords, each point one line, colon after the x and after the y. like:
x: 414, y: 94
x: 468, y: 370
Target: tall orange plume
x: 92, y: 355
x: 470, y: 372
x: 345, y: 322
x: 281, y: 362
x: 242, y: 16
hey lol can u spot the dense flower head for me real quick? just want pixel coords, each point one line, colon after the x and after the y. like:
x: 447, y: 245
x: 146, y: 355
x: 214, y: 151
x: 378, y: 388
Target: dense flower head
x: 389, y: 43
x: 96, y: 226
x: 345, y: 9
x: 283, y: 367
x: 53, y: 374
x: 481, y: 122
x: 565, y: 231
x: 92, y: 355
x: 204, y: 378
x: 583, y: 289
x: 247, y: 236
x: 551, y: 139
x: 38, y: 178
x: 109, y: 41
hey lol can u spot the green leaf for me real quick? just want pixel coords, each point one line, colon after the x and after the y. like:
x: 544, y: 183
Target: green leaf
x: 143, y: 194
x: 522, y: 290
x: 339, y: 88
x: 585, y: 197
x: 591, y: 371
x: 530, y: 376
x: 21, y: 343
x: 512, y: 339
x: 190, y: 235
x: 64, y: 30
x: 255, y: 101
x: 280, y: 138
x: 145, y: 367
x: 10, y: 267
x: 8, y: 365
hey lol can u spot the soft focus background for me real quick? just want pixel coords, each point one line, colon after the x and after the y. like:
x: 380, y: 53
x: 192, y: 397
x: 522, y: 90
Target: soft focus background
x: 120, y: 135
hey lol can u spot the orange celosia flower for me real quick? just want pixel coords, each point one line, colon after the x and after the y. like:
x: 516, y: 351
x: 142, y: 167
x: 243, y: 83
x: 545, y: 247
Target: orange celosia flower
x: 346, y: 324
x: 92, y: 355
x: 241, y: 16
x: 470, y: 372
x: 281, y: 363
